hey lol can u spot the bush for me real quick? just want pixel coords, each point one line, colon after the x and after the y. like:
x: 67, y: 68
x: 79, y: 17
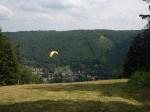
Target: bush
x: 26, y: 76
x: 140, y: 80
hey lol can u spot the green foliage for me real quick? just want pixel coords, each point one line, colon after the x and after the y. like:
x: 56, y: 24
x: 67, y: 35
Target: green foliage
x: 60, y: 73
x: 8, y: 62
x: 117, y: 72
x: 140, y: 80
x: 106, y: 46
x: 146, y: 35
x: 26, y: 76
x: 63, y: 70
x: 11, y: 72
x: 135, y: 56
x: 74, y: 48
x: 138, y: 56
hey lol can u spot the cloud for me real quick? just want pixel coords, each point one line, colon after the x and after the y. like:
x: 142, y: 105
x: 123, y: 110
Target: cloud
x: 45, y: 5
x: 5, y: 13
x: 72, y: 14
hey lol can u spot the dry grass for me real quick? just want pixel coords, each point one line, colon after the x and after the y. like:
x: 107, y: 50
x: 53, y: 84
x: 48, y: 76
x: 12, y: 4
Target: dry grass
x: 96, y: 96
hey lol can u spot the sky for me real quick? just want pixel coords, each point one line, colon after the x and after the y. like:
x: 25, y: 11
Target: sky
x: 22, y: 15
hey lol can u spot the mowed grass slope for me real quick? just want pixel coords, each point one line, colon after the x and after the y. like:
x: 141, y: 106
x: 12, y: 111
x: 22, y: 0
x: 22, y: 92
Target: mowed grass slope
x: 96, y: 96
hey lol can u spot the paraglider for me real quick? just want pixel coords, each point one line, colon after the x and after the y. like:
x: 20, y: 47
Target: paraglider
x: 53, y: 53
x: 53, y: 57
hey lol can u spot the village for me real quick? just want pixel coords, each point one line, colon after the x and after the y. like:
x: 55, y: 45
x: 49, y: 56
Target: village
x: 61, y: 75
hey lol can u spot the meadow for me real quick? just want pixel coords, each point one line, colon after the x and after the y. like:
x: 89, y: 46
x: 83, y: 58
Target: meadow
x: 95, y: 96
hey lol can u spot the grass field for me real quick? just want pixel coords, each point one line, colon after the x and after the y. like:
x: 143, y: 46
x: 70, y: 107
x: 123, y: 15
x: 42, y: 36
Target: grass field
x: 96, y: 96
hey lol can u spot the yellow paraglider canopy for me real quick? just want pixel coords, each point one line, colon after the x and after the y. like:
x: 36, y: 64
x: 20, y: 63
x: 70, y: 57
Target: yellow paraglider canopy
x: 52, y: 53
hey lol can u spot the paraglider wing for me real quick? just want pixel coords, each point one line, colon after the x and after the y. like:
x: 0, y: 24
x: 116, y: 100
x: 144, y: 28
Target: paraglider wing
x: 52, y: 53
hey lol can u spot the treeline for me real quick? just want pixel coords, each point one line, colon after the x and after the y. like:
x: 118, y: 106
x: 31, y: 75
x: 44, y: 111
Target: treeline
x: 11, y: 69
x: 137, y: 63
x: 96, y: 52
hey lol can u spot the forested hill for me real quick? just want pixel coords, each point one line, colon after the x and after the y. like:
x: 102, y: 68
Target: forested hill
x: 76, y: 48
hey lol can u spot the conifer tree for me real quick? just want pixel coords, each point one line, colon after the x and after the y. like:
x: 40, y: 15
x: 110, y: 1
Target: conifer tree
x: 146, y: 35
x: 135, y: 57
x: 138, y: 56
x: 8, y: 62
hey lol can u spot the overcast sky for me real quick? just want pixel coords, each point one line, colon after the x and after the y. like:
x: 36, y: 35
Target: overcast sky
x: 16, y: 15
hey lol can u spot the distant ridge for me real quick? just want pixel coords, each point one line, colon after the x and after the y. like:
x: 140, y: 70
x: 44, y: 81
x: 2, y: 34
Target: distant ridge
x: 73, y: 45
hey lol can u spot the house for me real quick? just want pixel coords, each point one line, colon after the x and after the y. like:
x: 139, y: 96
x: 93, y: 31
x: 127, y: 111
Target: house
x: 37, y: 70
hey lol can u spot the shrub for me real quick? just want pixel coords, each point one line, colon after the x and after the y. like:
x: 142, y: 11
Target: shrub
x: 26, y: 76
x: 140, y: 80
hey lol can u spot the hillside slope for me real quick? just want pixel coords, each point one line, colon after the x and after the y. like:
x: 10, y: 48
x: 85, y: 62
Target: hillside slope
x: 98, y: 96
x: 85, y: 50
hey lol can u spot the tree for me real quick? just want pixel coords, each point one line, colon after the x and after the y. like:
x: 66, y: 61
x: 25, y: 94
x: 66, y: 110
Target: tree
x: 135, y: 57
x: 146, y: 35
x: 27, y: 77
x: 8, y: 62
x: 146, y: 16
x: 138, y: 56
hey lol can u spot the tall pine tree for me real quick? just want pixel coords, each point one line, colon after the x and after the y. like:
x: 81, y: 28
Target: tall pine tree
x: 135, y: 57
x: 138, y: 56
x: 8, y: 62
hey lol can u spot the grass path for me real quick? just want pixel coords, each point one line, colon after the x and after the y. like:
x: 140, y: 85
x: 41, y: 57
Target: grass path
x: 96, y: 96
